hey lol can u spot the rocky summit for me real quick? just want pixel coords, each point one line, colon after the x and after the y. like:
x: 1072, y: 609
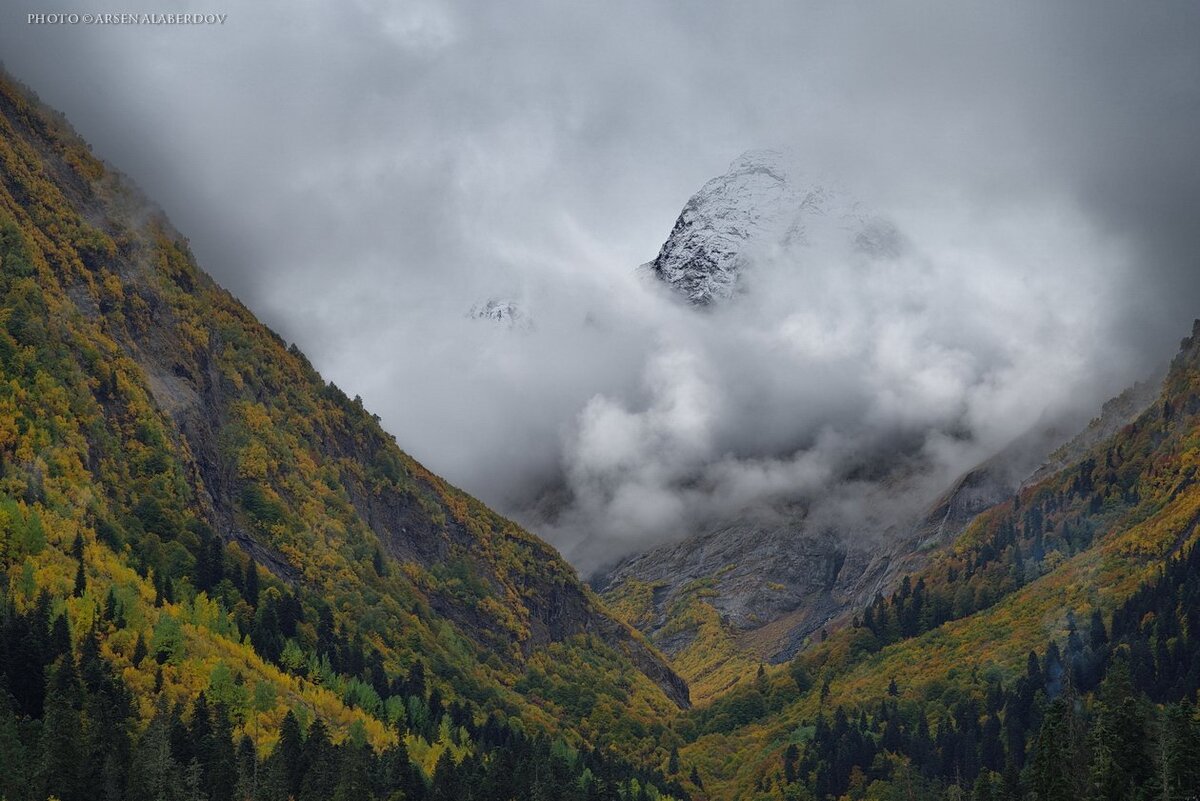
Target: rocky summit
x: 762, y: 207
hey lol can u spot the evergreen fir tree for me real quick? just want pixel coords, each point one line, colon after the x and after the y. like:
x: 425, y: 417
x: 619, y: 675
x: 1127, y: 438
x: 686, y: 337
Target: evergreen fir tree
x: 139, y: 650
x: 321, y: 768
x: 1119, y: 738
x: 1053, y: 752
x: 289, y: 752
x: 80, y: 581
x: 61, y: 747
x: 250, y: 583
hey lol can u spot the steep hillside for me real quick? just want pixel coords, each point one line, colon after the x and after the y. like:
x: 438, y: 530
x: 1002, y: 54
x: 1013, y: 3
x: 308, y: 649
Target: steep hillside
x: 184, y: 491
x: 979, y: 677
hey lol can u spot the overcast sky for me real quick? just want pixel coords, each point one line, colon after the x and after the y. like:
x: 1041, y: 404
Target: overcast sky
x: 361, y: 173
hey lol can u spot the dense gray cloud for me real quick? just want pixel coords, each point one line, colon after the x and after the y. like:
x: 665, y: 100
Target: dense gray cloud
x: 362, y: 173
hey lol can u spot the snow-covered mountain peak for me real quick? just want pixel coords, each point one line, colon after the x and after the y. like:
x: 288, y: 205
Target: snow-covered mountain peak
x: 504, y: 312
x: 769, y: 163
x: 762, y: 203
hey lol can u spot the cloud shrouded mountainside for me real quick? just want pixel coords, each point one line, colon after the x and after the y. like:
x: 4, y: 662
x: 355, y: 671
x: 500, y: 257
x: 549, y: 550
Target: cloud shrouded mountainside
x: 395, y: 166
x: 800, y: 347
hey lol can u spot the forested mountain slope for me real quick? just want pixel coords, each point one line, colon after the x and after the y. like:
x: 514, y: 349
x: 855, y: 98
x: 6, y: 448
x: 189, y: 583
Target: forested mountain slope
x: 197, y: 531
x: 1051, y: 653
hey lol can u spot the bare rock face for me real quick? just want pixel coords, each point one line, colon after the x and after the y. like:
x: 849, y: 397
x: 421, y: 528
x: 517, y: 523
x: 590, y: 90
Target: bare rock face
x: 761, y: 206
x: 752, y: 575
x: 777, y: 584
